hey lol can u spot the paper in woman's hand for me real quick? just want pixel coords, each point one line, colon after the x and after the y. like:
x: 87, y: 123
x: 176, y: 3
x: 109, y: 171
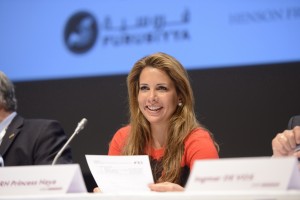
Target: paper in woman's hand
x: 119, y: 174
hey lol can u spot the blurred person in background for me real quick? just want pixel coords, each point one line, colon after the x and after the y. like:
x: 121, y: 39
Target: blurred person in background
x: 287, y: 143
x: 27, y: 141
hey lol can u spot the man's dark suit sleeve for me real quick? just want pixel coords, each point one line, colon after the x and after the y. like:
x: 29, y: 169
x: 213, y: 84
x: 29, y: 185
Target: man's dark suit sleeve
x: 34, y: 142
x: 50, y: 140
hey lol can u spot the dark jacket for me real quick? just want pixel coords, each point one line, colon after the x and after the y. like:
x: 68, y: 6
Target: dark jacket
x: 33, y: 142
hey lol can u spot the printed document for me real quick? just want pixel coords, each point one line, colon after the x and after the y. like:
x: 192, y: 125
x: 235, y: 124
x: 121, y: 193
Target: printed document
x: 119, y: 174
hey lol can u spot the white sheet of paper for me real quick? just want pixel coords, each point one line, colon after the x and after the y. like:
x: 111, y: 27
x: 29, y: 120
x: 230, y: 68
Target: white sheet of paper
x: 256, y: 173
x: 41, y: 179
x: 121, y: 173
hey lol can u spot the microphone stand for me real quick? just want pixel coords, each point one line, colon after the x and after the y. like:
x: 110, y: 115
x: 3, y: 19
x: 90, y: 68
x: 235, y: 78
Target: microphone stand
x: 79, y: 127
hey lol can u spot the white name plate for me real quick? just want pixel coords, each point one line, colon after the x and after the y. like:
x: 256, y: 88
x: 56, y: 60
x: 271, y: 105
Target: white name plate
x: 41, y: 179
x: 260, y: 173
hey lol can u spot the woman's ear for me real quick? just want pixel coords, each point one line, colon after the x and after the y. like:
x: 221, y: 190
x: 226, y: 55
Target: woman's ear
x: 180, y: 102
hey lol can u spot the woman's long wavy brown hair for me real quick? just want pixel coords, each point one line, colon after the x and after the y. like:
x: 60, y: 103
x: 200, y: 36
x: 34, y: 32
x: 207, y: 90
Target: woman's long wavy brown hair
x: 181, y: 123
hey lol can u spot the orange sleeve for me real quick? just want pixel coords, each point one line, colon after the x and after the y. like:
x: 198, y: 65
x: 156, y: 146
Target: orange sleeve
x: 118, y: 141
x: 199, y: 145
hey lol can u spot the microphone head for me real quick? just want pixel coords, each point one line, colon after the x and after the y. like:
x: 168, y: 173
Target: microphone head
x: 83, y: 122
x: 81, y: 125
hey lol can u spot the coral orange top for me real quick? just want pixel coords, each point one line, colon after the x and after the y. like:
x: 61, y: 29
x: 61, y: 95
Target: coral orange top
x: 198, y: 145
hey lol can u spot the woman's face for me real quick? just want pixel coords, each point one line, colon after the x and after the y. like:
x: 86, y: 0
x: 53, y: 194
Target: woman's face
x: 157, y: 96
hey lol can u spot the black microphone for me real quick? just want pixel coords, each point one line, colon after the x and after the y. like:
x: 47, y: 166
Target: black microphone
x: 79, y: 127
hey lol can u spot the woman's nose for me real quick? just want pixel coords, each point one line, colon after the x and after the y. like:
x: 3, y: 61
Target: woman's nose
x: 152, y: 96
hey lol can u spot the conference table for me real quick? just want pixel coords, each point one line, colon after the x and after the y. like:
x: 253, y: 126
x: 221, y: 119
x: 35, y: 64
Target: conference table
x: 214, y: 195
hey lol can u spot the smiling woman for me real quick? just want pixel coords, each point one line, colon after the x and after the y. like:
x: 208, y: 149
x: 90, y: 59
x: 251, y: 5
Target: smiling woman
x: 157, y: 100
x: 163, y: 124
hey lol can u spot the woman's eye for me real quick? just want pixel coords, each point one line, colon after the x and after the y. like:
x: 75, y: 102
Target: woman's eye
x: 163, y: 88
x: 143, y: 88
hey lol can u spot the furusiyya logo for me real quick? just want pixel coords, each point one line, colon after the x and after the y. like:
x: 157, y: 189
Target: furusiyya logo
x: 81, y: 32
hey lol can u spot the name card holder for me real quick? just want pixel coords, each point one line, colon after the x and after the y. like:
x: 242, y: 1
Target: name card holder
x: 256, y: 173
x: 41, y: 179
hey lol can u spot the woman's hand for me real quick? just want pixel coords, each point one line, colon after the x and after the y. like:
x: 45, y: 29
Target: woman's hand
x: 96, y: 190
x: 166, y: 187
